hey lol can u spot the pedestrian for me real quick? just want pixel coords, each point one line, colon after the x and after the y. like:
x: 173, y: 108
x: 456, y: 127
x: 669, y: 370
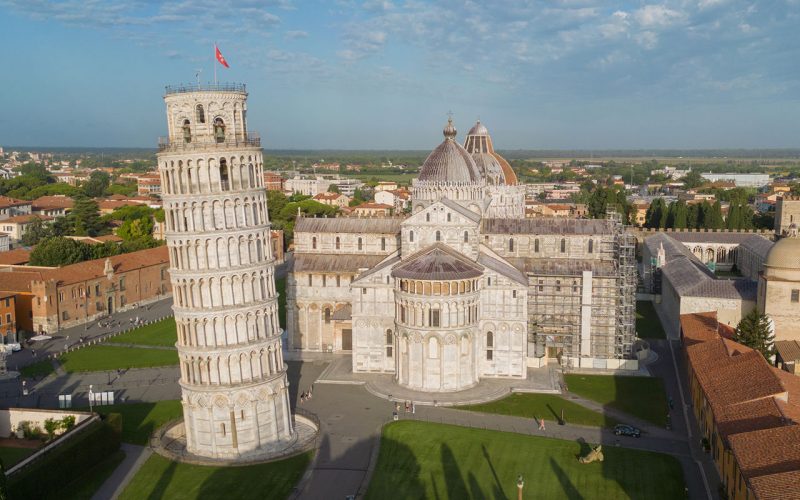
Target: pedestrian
x: 408, y: 407
x: 397, y: 406
x: 33, y: 352
x: 541, y: 424
x: 413, y: 408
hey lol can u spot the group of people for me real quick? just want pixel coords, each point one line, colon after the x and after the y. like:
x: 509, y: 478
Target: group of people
x: 304, y: 396
x: 410, y: 407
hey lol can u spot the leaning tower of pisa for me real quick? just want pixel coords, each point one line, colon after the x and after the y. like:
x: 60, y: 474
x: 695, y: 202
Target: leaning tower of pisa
x: 233, y: 379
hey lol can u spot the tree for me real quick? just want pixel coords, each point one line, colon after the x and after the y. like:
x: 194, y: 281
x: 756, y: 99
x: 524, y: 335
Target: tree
x: 37, y: 231
x: 333, y: 188
x: 713, y: 218
x: 681, y: 215
x: 693, y: 216
x: 97, y: 184
x: 755, y: 332
x: 654, y: 214
x: 85, y: 217
x: 693, y: 179
x: 58, y: 251
x: 134, y: 229
x: 51, y: 426
x: 35, y: 170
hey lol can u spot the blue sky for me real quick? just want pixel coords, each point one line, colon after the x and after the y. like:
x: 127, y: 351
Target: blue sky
x: 383, y: 74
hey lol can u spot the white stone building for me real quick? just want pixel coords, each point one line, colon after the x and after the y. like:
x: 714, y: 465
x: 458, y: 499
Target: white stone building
x: 233, y: 378
x: 465, y: 288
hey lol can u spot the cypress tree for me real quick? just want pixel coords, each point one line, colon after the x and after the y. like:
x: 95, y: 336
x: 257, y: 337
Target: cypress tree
x: 755, y: 332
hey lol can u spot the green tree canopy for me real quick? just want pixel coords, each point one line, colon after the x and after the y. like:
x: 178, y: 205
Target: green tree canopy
x: 84, y: 218
x: 59, y: 251
x: 97, y: 184
x: 693, y: 179
x: 755, y: 331
x: 333, y: 188
x: 37, y: 231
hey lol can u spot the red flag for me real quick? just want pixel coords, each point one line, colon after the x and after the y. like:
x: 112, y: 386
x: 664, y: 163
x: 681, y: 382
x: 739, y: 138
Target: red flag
x: 220, y: 58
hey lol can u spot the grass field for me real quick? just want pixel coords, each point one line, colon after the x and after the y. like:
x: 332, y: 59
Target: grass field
x: 280, y: 287
x: 648, y: 326
x: 425, y: 460
x: 85, y: 486
x: 103, y: 357
x: 40, y: 369
x: 161, y: 333
x: 641, y: 397
x: 12, y: 455
x: 161, y: 478
x: 139, y: 420
x: 547, y: 406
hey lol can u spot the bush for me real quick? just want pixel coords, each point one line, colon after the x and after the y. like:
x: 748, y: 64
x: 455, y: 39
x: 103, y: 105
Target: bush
x: 29, y: 431
x: 63, y: 464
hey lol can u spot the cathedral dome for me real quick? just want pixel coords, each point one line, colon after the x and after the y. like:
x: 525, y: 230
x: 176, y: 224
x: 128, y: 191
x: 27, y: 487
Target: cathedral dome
x: 785, y: 254
x: 449, y: 162
x: 492, y: 166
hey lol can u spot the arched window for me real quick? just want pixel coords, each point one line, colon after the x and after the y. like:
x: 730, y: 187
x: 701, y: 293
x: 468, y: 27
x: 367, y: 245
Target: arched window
x: 360, y: 244
x: 563, y: 245
x: 389, y: 343
x: 314, y: 243
x: 223, y: 174
x: 383, y: 244
x: 438, y: 236
x: 337, y: 243
x: 489, y: 346
x: 187, y: 131
x: 411, y: 236
x: 448, y: 216
x: 591, y: 246
x: 219, y: 130
x: 201, y: 114
x: 428, y: 217
x: 433, y: 348
x: 536, y: 245
x: 466, y: 236
x: 327, y: 315
x: 511, y: 244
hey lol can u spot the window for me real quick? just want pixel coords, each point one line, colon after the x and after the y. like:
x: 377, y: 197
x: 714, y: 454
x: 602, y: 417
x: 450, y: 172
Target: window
x: 514, y: 294
x: 187, y: 131
x: 558, y: 285
x: 536, y: 245
x: 383, y: 244
x: 219, y: 130
x: 466, y: 236
x: 360, y: 244
x: 489, y: 345
x: 402, y: 314
x: 438, y: 236
x: 448, y: 217
x: 327, y: 315
x: 122, y: 284
x: 338, y: 243
x: 223, y: 174
x: 324, y: 280
x: 201, y: 115
x: 541, y: 285
x: 411, y: 236
x: 8, y: 317
x: 121, y: 300
x: 310, y: 280
x: 434, y: 317
x: 563, y: 245
x: 64, y: 315
x: 314, y: 243
x: 428, y: 217
x: 338, y: 280
x: 389, y: 343
x: 591, y: 246
x: 795, y: 295
x: 511, y: 244
x: 489, y: 281
x: 163, y: 277
x: 223, y: 429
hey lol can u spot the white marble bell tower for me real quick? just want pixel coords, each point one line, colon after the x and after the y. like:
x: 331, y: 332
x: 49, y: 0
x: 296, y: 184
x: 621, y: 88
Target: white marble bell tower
x: 233, y: 378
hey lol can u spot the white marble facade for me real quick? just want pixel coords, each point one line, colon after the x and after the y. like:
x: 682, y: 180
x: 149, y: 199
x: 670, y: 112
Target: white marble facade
x: 233, y: 378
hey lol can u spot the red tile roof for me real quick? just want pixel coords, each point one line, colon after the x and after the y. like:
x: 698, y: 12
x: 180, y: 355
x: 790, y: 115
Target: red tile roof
x: 781, y: 486
x: 16, y: 257
x: 52, y: 202
x: 7, y: 202
x: 24, y: 219
x: 767, y: 451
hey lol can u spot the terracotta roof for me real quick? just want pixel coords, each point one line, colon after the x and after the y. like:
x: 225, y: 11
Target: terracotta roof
x: 781, y: 486
x: 789, y: 350
x: 24, y: 219
x: 369, y: 205
x: 750, y: 416
x: 16, y: 257
x: 328, y: 196
x: 767, y: 451
x: 115, y: 204
x: 7, y: 202
x: 19, y: 281
x: 52, y: 202
x: 699, y: 327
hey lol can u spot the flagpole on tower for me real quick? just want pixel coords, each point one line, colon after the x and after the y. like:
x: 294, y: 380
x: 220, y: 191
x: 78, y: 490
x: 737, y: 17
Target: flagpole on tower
x: 215, y: 64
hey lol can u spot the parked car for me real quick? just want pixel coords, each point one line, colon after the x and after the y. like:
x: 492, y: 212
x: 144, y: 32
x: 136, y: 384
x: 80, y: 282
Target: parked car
x: 12, y: 347
x: 627, y: 430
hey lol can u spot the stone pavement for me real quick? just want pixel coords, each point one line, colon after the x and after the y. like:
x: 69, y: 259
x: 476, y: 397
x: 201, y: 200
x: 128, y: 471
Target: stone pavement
x: 135, y: 457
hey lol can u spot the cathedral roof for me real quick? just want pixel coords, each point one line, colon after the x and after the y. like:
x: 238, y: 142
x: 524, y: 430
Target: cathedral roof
x: 449, y: 162
x: 438, y: 262
x: 544, y: 225
x: 492, y: 166
x: 334, y: 263
x: 380, y: 225
x: 786, y: 252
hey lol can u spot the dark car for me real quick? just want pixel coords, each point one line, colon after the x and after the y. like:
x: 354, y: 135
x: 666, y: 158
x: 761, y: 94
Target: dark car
x: 627, y: 430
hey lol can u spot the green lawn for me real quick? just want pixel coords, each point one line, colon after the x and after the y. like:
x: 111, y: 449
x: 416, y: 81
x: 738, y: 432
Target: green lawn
x: 139, y: 420
x: 85, y: 486
x: 162, y: 478
x: 104, y: 357
x: 161, y: 333
x: 648, y: 326
x: 12, y: 456
x: 40, y: 369
x: 425, y: 460
x: 641, y: 397
x: 547, y: 406
x: 280, y: 287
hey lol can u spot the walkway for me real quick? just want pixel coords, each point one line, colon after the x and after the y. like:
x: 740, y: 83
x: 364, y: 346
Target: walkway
x: 135, y: 457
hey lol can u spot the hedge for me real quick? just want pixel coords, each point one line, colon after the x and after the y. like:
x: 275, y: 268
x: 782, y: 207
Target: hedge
x: 46, y: 477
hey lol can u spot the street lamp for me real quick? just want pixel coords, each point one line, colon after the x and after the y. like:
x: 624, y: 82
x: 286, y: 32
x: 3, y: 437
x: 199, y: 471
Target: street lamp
x: 520, y: 484
x: 90, y: 399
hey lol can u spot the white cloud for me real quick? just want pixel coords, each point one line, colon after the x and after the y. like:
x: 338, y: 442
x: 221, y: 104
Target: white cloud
x: 657, y: 16
x: 647, y: 39
x: 295, y: 34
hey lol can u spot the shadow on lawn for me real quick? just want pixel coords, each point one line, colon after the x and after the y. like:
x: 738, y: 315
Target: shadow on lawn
x: 569, y: 489
x: 157, y: 493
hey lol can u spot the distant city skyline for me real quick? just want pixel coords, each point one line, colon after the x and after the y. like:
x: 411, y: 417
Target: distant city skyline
x: 568, y: 74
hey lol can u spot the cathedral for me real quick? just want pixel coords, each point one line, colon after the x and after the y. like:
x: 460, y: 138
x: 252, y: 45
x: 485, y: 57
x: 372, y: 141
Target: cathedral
x: 466, y: 287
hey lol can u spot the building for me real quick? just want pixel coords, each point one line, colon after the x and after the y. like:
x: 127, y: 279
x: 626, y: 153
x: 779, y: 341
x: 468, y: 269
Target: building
x: 751, y: 254
x: 750, y: 429
x: 306, y: 186
x: 346, y: 186
x: 740, y: 180
x: 788, y: 355
x: 148, y: 185
x: 233, y: 379
x: 779, y: 286
x: 5, y: 242
x: 373, y: 210
x: 18, y: 225
x: 386, y: 186
x: 52, y: 206
x: 465, y: 288
x: 787, y: 212
x: 332, y: 199
x: 273, y: 181
x: 8, y: 317
x: 400, y: 199
x: 10, y: 207
x: 49, y: 299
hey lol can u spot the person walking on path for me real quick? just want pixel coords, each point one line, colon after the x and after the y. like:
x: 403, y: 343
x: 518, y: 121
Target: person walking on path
x: 541, y: 424
x: 408, y: 407
x: 413, y: 408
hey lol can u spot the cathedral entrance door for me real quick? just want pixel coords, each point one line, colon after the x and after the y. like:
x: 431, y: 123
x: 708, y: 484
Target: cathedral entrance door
x: 347, y: 339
